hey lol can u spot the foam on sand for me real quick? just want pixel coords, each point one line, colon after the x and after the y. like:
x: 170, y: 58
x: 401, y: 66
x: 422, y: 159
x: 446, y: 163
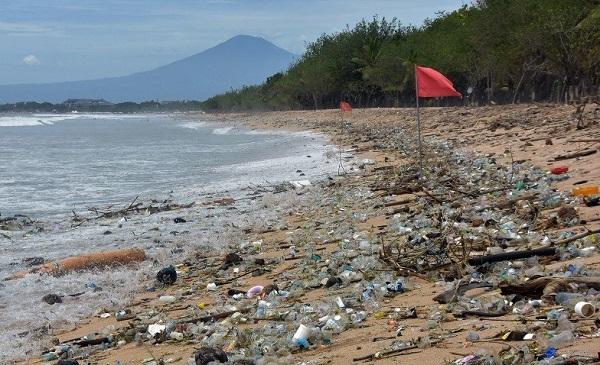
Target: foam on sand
x: 193, y: 125
x: 222, y: 131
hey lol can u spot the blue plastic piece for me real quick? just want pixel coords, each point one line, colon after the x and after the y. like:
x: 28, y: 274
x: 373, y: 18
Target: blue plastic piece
x: 550, y: 353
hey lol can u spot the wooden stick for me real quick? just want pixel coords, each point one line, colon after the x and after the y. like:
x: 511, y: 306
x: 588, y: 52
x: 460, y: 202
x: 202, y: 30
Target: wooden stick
x: 237, y: 277
x: 590, y: 140
x: 382, y: 354
x: 213, y: 317
x: 515, y: 255
x: 569, y: 156
x: 577, y: 236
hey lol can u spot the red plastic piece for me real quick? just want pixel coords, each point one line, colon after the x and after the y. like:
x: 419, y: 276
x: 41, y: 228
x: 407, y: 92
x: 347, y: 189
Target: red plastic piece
x: 558, y: 170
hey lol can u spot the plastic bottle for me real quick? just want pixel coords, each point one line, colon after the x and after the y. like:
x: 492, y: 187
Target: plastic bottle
x: 358, y: 317
x: 562, y: 339
x: 568, y: 299
x: 177, y: 336
x: 522, y: 307
x: 472, y: 337
x: 49, y: 356
x: 563, y: 324
x: 326, y: 335
x: 261, y: 309
x: 167, y: 299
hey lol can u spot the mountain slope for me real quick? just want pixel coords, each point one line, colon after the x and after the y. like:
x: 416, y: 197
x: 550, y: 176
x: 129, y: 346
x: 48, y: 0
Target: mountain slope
x: 241, y: 60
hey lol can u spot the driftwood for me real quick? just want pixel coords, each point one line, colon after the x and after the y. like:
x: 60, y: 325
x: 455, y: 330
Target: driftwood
x: 83, y: 343
x: 510, y: 202
x: 482, y: 314
x: 449, y: 295
x: 515, y: 255
x: 384, y: 354
x: 237, y: 277
x: 569, y: 156
x: 214, y: 317
x: 577, y: 236
x: 96, y: 341
x: 132, y: 208
x: 588, y: 140
x: 547, y: 286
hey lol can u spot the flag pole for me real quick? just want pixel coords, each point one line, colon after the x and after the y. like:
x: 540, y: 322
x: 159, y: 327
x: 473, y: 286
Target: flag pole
x: 418, y: 124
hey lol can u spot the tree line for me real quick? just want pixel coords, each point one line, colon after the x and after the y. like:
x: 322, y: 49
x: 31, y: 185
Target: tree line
x: 495, y: 51
x: 124, y: 107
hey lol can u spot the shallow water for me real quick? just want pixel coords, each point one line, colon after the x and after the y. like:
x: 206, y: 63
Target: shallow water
x: 50, y: 165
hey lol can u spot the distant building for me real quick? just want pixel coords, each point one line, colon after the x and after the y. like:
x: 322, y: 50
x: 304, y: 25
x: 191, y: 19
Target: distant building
x: 79, y: 103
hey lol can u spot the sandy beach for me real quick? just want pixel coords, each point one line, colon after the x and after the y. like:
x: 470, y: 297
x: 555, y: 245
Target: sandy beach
x: 358, y: 218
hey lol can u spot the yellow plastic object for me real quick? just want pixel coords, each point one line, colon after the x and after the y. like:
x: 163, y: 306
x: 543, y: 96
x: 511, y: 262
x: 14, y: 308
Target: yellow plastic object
x: 586, y: 190
x: 379, y: 315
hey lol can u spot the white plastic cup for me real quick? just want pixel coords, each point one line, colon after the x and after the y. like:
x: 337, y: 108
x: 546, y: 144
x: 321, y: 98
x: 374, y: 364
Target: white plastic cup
x: 302, y: 333
x: 585, y: 309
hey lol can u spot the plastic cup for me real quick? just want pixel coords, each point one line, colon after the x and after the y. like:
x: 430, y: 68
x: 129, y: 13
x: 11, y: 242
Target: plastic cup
x: 302, y: 333
x: 585, y: 309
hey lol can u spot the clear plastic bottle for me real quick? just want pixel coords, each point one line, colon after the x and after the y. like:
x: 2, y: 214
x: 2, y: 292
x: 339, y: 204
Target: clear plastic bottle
x: 326, y: 335
x: 261, y: 309
x: 568, y: 299
x: 358, y: 317
x: 562, y: 339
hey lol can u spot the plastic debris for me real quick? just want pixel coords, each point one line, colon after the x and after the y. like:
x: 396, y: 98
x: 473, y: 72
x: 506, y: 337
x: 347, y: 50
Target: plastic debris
x: 167, y: 276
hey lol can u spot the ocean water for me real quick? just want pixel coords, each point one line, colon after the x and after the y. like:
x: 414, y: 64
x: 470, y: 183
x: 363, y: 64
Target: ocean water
x: 54, y: 164
x: 51, y: 165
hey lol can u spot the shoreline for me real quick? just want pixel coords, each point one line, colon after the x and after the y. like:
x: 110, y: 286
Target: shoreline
x: 487, y: 130
x: 164, y: 240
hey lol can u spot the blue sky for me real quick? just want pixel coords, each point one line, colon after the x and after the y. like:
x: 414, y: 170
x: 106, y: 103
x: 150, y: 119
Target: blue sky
x: 60, y: 40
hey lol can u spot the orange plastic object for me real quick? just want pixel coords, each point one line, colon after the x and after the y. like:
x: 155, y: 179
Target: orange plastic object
x: 87, y: 262
x: 586, y: 190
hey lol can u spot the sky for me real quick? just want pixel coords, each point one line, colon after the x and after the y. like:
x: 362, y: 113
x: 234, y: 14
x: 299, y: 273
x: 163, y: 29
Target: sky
x: 65, y: 40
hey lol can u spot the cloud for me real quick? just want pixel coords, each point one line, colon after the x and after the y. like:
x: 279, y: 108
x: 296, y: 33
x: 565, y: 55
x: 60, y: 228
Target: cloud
x: 23, y: 28
x: 31, y: 60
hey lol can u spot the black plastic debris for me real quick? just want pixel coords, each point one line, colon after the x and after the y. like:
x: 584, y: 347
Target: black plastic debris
x: 231, y: 259
x: 206, y: 355
x: 52, y: 299
x: 33, y: 261
x: 167, y: 276
x: 67, y: 362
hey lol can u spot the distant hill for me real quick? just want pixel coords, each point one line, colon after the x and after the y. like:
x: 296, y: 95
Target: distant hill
x: 241, y: 60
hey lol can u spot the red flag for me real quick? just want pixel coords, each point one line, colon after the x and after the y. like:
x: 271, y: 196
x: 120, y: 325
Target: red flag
x: 432, y: 84
x: 345, y: 106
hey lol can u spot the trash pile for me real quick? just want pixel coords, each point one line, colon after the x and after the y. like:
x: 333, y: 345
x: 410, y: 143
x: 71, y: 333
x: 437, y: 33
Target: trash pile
x: 491, y: 237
